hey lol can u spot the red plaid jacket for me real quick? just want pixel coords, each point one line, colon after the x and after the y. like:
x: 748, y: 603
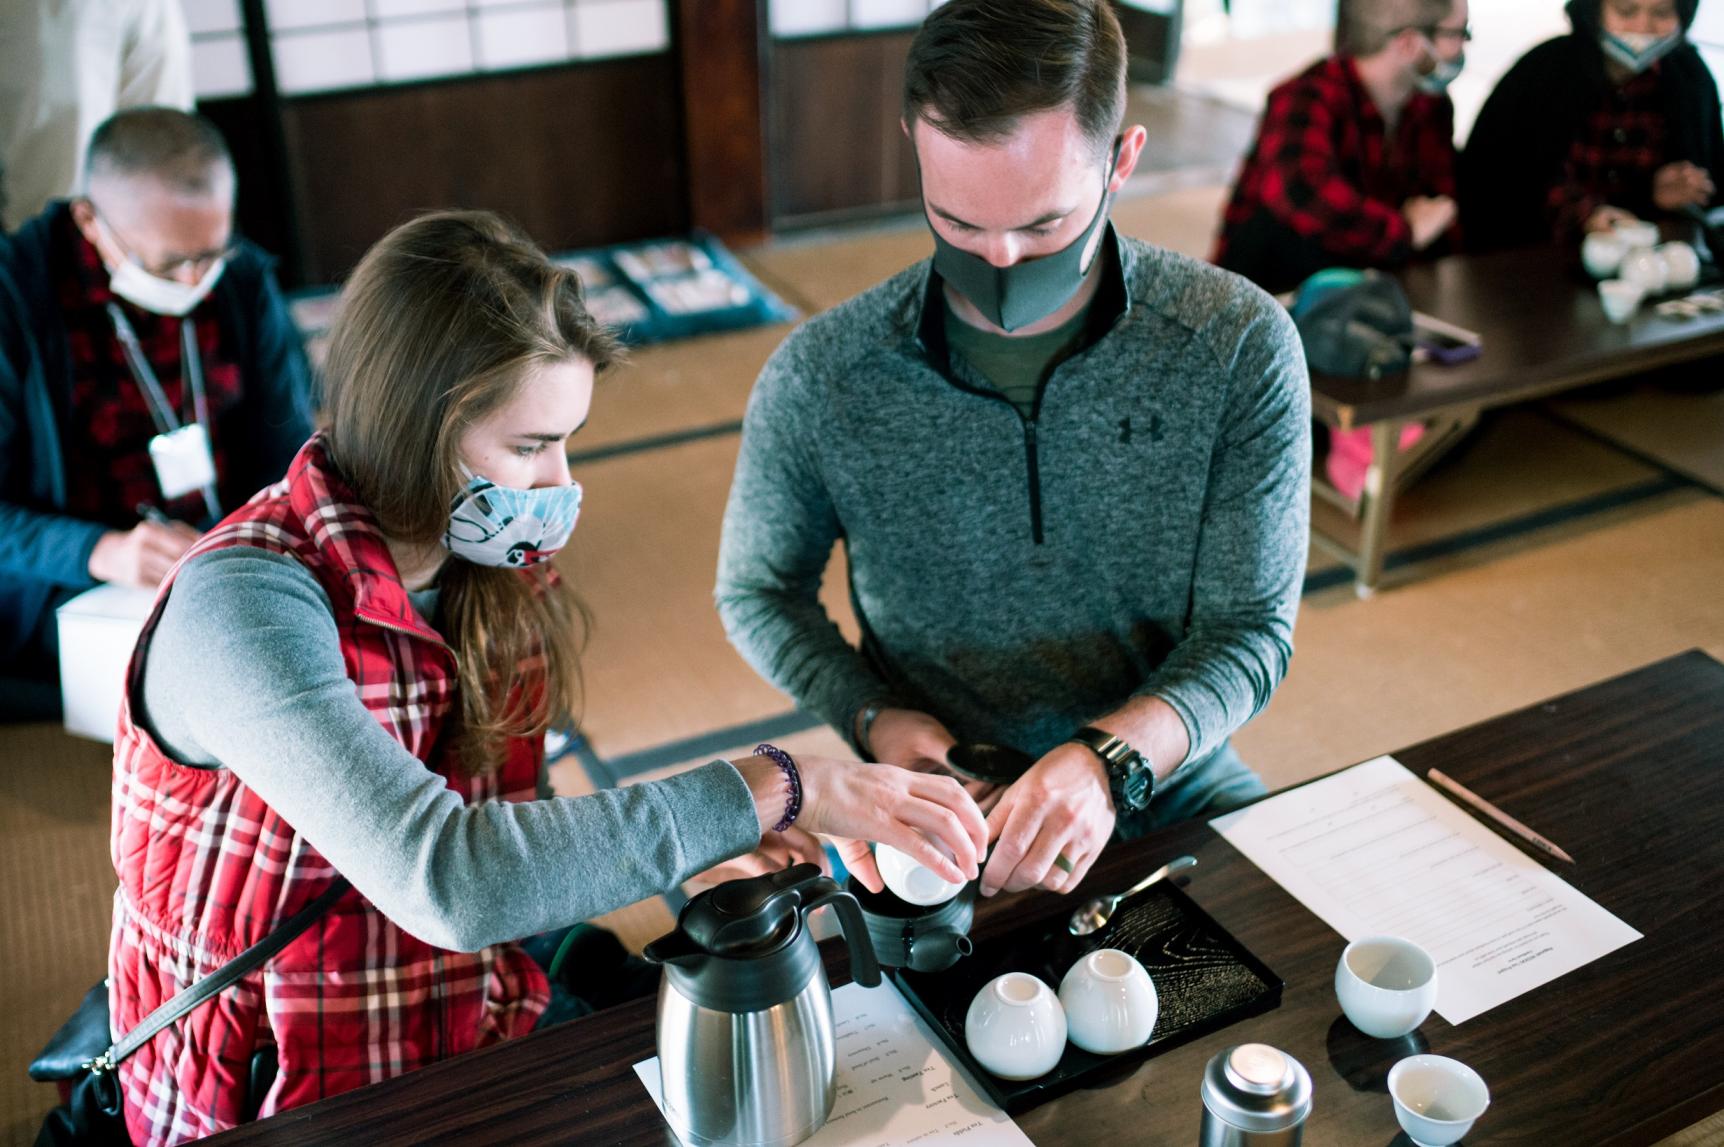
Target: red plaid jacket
x: 1323, y: 185
x: 206, y: 869
x: 1612, y: 160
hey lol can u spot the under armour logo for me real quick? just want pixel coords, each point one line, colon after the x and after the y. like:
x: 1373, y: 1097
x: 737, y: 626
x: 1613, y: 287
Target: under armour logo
x: 1154, y: 429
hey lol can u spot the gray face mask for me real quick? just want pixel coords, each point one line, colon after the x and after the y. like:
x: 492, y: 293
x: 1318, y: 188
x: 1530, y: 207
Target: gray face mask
x: 1436, y: 81
x: 1638, y: 51
x: 1027, y: 291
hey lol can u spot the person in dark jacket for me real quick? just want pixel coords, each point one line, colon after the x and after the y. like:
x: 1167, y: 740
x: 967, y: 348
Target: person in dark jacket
x: 151, y: 379
x: 1617, y: 120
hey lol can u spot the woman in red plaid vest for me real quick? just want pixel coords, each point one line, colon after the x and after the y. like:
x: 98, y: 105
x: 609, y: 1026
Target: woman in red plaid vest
x: 353, y: 675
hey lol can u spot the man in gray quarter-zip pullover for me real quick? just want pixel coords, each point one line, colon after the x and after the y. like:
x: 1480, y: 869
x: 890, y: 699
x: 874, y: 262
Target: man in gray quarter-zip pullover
x: 1070, y: 470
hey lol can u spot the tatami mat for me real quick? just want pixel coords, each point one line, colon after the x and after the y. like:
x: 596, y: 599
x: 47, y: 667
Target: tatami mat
x: 1682, y: 431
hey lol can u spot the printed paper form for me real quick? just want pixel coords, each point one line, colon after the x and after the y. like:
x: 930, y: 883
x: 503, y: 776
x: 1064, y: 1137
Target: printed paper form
x: 895, y: 1088
x: 1375, y: 850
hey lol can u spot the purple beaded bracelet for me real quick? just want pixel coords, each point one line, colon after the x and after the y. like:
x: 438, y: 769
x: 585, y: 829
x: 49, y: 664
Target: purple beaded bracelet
x: 793, y: 806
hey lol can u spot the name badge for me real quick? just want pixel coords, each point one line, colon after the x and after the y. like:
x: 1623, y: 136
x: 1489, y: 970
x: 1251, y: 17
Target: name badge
x: 183, y: 461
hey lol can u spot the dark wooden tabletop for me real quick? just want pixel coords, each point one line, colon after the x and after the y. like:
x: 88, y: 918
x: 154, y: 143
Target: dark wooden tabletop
x: 1543, y: 331
x: 1627, y: 775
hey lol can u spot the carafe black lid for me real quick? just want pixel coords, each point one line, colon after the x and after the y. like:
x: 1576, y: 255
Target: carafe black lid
x: 753, y: 917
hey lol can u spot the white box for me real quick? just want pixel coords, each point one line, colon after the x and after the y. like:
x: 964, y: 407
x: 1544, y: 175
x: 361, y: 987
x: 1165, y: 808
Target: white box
x: 98, y: 630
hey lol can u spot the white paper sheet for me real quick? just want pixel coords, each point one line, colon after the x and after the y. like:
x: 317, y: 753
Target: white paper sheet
x: 1376, y: 850
x: 894, y: 1087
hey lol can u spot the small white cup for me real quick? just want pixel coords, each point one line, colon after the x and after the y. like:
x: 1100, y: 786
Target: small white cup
x: 1386, y: 985
x: 1644, y: 267
x: 1015, y: 1027
x: 1601, y: 253
x: 1637, y: 233
x: 1436, y: 1098
x: 910, y: 881
x: 1109, y: 1001
x: 1681, y: 265
x: 1620, y: 299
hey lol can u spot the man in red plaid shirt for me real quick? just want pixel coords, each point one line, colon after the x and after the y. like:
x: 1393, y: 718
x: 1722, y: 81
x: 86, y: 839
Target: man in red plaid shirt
x: 1354, y: 163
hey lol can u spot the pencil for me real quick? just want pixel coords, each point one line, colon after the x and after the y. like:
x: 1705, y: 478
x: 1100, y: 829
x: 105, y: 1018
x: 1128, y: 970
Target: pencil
x: 1444, y: 781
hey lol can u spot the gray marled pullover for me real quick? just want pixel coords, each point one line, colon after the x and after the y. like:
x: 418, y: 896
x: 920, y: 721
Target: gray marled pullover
x: 1143, y: 533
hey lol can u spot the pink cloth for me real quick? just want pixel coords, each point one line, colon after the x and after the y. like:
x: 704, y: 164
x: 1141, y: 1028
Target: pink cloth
x: 1350, y: 455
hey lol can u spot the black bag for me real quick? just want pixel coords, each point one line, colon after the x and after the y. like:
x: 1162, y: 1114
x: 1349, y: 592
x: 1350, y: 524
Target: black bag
x: 1354, y: 324
x: 82, y: 1053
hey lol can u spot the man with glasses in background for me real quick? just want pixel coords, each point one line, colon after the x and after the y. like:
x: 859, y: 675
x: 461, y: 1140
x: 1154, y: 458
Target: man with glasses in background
x: 1354, y: 162
x: 150, y: 380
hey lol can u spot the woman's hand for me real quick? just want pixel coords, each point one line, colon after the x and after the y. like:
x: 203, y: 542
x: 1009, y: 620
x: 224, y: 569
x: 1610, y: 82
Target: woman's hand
x: 930, y: 818
x: 1681, y: 184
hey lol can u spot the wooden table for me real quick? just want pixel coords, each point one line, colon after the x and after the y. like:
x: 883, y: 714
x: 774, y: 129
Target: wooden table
x: 1627, y: 775
x: 1543, y: 332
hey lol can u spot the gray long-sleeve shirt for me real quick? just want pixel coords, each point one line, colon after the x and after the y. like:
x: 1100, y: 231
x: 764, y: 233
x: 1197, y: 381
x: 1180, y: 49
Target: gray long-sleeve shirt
x: 245, y: 672
x: 1143, y: 533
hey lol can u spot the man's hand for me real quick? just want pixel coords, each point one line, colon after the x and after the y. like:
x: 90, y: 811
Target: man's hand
x: 1429, y: 216
x: 1681, y: 184
x: 140, y: 556
x: 916, y: 741
x: 1061, y: 806
x: 1607, y: 217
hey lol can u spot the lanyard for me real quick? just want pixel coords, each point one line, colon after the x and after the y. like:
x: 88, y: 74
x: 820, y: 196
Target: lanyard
x: 163, y: 415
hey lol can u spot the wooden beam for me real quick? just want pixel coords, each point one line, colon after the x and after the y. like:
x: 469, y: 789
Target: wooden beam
x: 720, y: 47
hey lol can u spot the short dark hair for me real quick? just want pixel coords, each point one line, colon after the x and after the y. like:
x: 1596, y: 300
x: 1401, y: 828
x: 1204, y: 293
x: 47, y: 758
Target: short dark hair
x: 977, y: 67
x: 1365, y: 27
x: 182, y: 149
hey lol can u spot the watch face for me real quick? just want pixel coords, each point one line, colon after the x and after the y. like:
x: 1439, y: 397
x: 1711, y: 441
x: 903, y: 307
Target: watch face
x: 1134, y: 788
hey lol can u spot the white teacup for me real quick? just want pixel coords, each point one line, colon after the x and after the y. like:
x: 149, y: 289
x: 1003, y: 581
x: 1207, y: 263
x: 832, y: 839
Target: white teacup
x: 1645, y: 268
x: 1681, y: 265
x: 910, y: 881
x: 1601, y: 253
x: 1637, y: 233
x: 1015, y: 1027
x: 1109, y: 1001
x: 1386, y: 985
x: 1620, y: 299
x: 1436, y: 1098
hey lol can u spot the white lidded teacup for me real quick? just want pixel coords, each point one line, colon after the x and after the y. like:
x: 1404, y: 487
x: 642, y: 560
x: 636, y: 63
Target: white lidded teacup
x: 1015, y: 1027
x: 1386, y: 985
x: 1109, y: 1001
x: 910, y: 880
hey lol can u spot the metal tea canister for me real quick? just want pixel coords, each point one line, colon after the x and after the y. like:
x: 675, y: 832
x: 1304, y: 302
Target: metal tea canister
x: 1254, y: 1095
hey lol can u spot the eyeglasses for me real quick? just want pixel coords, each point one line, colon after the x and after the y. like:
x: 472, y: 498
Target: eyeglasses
x: 1464, y: 34
x: 198, y: 264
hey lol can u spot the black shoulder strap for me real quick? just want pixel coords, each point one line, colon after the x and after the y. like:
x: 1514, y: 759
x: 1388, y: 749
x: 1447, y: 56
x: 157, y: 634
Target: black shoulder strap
x: 221, y: 979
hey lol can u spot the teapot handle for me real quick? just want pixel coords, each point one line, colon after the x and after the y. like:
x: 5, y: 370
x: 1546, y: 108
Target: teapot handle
x: 864, y: 968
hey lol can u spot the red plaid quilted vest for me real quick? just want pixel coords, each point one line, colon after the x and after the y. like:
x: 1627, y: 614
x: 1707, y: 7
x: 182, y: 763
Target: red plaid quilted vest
x: 207, y: 869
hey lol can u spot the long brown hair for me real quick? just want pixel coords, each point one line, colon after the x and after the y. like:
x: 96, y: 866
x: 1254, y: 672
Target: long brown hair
x: 439, y: 324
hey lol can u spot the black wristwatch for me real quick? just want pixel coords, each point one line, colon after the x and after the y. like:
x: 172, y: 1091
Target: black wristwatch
x: 1129, y: 778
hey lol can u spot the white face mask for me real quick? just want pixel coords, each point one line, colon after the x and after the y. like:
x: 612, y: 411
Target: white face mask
x: 162, y: 296
x: 157, y: 295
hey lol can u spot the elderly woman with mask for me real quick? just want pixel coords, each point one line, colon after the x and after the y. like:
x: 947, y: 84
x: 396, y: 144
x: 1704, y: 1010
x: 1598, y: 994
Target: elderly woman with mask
x: 1617, y: 120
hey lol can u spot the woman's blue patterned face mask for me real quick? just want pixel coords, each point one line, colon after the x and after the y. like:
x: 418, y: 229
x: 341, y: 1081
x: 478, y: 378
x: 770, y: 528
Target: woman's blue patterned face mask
x: 511, y: 528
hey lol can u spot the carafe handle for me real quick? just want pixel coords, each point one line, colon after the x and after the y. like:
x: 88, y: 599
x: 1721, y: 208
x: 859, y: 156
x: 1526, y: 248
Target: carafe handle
x: 864, y: 968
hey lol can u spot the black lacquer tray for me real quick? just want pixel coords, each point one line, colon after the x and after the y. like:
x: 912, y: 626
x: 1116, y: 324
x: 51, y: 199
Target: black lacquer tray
x: 1204, y: 979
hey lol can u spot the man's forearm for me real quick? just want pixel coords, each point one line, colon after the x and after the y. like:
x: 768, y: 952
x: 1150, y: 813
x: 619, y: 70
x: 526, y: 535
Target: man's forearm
x: 1152, y: 727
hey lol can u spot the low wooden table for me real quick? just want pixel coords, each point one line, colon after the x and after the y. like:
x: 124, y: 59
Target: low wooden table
x: 1627, y: 775
x: 1543, y: 332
